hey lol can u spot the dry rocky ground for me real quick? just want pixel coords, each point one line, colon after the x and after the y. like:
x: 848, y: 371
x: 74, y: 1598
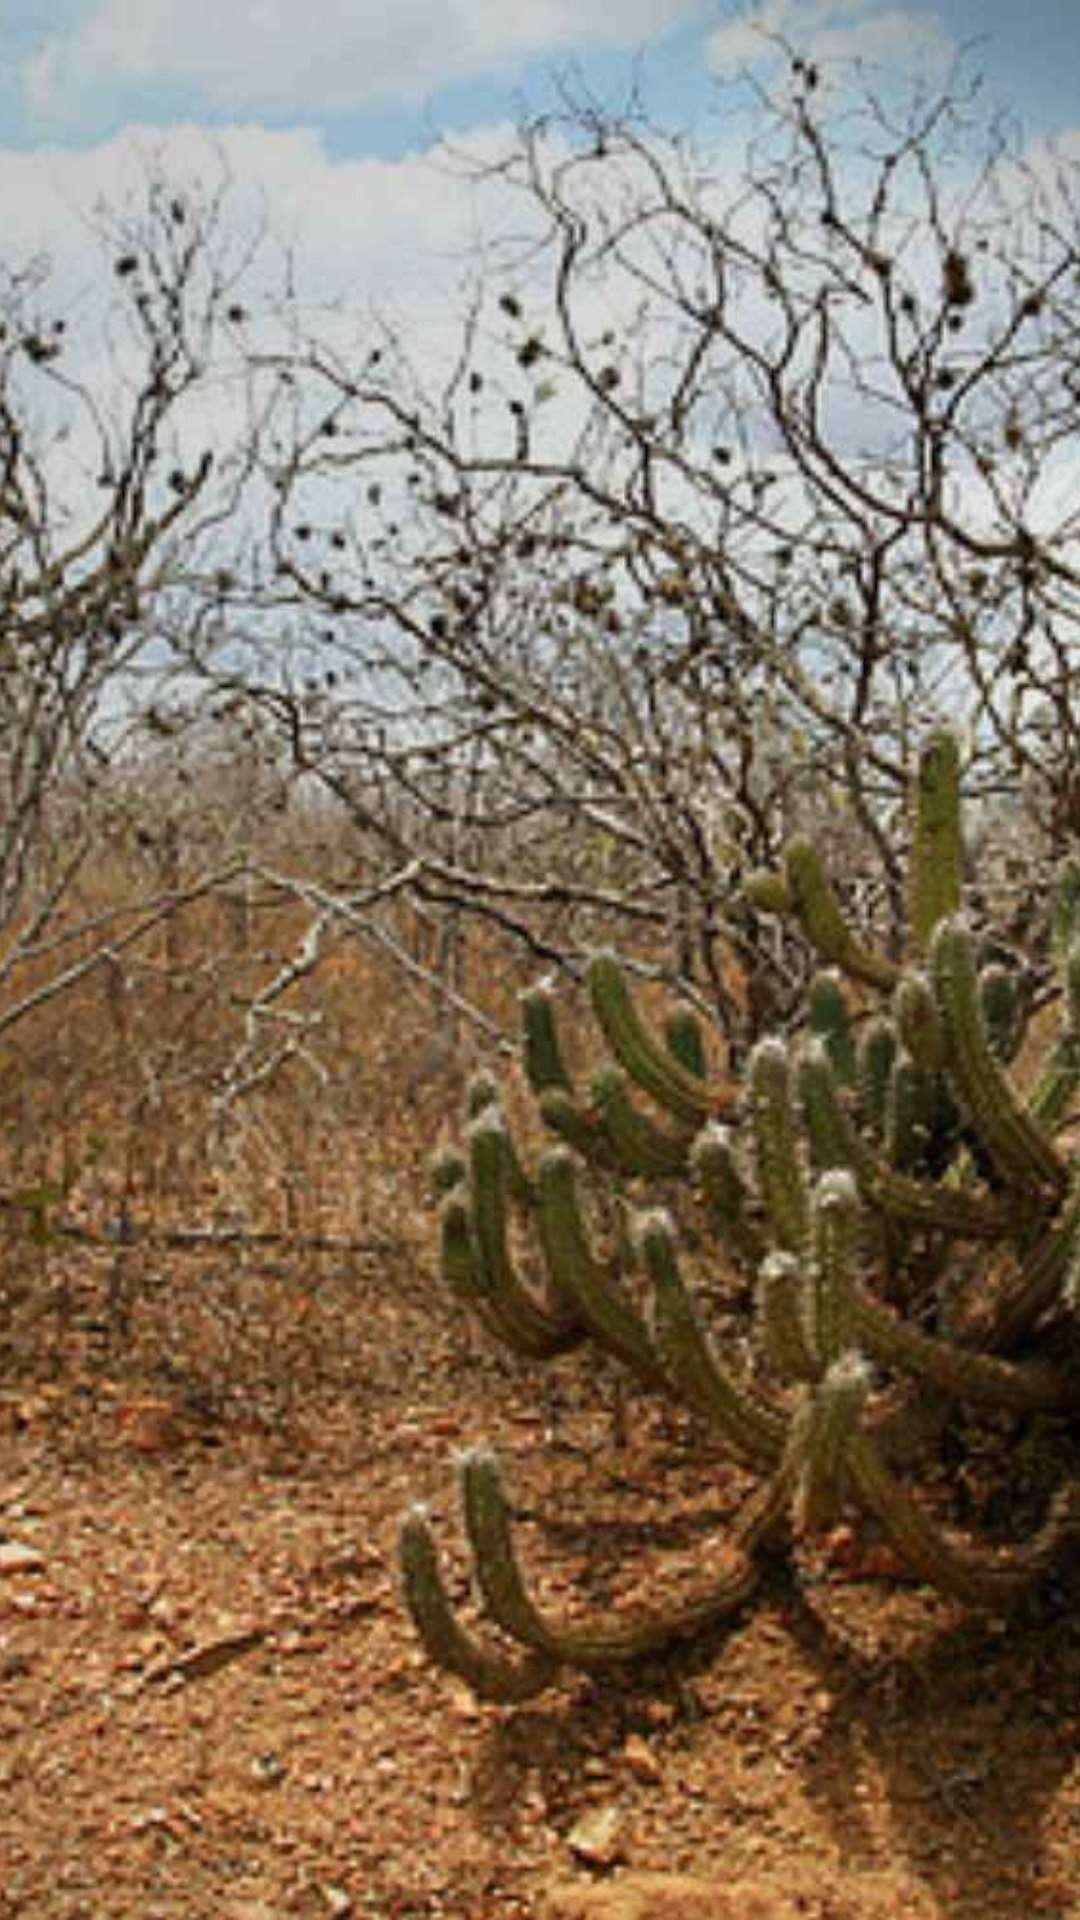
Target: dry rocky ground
x: 212, y: 1705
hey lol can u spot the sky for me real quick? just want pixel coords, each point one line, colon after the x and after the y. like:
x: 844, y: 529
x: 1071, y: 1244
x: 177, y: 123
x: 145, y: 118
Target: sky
x: 374, y: 76
x: 330, y: 112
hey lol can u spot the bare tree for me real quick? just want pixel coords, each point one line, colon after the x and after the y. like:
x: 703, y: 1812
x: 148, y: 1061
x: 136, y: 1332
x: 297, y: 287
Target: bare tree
x: 119, y: 495
x: 733, y: 485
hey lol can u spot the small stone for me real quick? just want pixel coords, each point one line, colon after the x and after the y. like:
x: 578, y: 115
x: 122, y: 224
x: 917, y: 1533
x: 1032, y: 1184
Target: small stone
x: 661, y: 1896
x: 641, y: 1760
x: 599, y: 1836
x: 338, y: 1902
x: 17, y: 1557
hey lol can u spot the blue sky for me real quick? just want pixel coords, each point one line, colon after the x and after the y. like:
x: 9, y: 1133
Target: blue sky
x: 322, y: 114
x: 372, y: 76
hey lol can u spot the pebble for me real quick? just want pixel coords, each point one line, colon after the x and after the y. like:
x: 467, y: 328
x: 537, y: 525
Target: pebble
x: 599, y: 1836
x: 17, y: 1557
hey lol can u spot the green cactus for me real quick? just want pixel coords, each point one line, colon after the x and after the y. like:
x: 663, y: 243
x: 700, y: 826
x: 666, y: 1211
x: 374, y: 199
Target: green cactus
x: 652, y: 1066
x: 889, y: 1220
x: 1015, y: 1140
x: 816, y: 905
x: 828, y: 1016
x: 937, y: 851
x: 875, y: 1055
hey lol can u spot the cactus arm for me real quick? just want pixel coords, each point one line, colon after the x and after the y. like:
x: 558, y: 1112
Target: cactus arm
x: 504, y: 1309
x: 910, y: 1117
x: 930, y: 1205
x: 817, y: 907
x: 989, y: 1578
x: 605, y: 1641
x: 651, y: 1065
x: 482, y: 1091
x: 919, y: 1022
x: 783, y: 1318
x: 779, y: 1170
x: 581, y: 1127
x: 877, y: 1051
x: 961, y: 1372
x: 641, y: 1147
x: 818, y: 1443
x: 1037, y: 1286
x: 483, y: 1098
x: 1002, y: 1011
x: 539, y: 1330
x: 685, y: 1041
x: 829, y: 1020
x: 542, y: 1051
x: 835, y: 1228
x: 713, y: 1162
x: 936, y: 874
x: 752, y: 1428
x: 768, y: 891
x: 490, y: 1676
x: 1015, y: 1141
x: 578, y: 1275
x: 449, y: 1169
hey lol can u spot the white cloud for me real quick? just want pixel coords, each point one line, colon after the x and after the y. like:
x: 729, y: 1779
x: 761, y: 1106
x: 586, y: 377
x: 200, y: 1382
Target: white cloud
x: 826, y: 30
x: 323, y: 56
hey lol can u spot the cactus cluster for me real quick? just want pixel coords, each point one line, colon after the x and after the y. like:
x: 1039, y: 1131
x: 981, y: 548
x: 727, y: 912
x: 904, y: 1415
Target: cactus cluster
x: 895, y: 1185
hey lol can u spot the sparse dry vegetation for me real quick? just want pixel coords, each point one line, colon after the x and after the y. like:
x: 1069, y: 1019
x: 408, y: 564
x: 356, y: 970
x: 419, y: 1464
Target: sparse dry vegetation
x: 283, y: 842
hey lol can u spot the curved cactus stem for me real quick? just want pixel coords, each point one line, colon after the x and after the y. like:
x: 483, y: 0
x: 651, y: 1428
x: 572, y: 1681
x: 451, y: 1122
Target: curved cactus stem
x: 930, y: 1205
x: 449, y: 1169
x: 576, y: 1273
x: 1003, y: 1014
x: 822, y: 917
x: 641, y: 1147
x: 1057, y: 1086
x: 835, y: 1232
x: 541, y: 1049
x: 961, y: 1372
x: 712, y: 1160
x: 779, y: 1169
x: 832, y: 1138
x: 936, y: 874
x: 580, y: 1127
x: 507, y: 1313
x: 540, y: 1330
x: 651, y: 1065
x: 490, y: 1676
x: 604, y: 1642
x: 877, y: 1051
x: 1016, y: 1143
x: 828, y: 1018
x: 911, y: 1116
x: 768, y: 891
x: 990, y: 1578
x: 817, y: 1446
x: 458, y: 1265
x: 1039, y: 1284
x: 783, y: 1316
x: 482, y: 1091
x: 483, y: 1098
x: 919, y: 1022
x: 752, y: 1428
x: 686, y: 1041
